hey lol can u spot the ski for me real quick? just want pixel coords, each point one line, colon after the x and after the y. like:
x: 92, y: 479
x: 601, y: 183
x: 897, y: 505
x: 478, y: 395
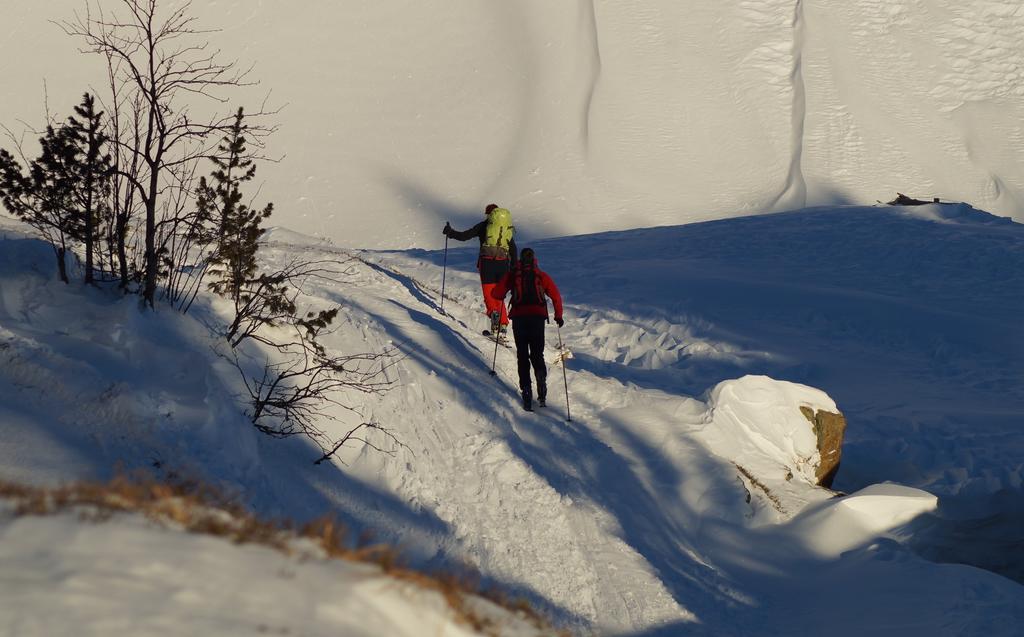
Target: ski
x: 501, y: 339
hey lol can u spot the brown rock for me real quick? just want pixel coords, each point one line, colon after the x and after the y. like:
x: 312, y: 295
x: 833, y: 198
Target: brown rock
x: 829, y: 429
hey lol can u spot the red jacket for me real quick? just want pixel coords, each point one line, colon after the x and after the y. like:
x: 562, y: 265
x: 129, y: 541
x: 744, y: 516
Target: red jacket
x: 512, y: 282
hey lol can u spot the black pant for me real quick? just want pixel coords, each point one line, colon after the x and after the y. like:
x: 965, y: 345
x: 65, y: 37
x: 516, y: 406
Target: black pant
x: 491, y: 270
x: 528, y: 332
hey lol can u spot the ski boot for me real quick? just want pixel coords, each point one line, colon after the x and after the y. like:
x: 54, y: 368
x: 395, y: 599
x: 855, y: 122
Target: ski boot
x: 495, y: 323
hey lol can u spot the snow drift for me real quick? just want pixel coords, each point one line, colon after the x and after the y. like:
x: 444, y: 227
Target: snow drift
x: 831, y: 528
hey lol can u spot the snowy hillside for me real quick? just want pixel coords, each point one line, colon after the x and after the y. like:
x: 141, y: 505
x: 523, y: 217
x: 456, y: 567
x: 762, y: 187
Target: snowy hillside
x: 693, y: 349
x: 129, y: 575
x: 700, y: 180
x: 592, y: 116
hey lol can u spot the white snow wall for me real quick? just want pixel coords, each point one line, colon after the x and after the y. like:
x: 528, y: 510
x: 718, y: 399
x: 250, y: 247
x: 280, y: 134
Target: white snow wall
x: 595, y: 115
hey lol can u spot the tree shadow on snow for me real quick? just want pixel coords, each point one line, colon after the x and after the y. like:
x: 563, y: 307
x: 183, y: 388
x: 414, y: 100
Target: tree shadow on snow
x: 461, y: 354
x: 660, y: 526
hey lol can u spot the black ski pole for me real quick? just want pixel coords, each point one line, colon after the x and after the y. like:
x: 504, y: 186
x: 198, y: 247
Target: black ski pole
x: 564, y: 378
x: 444, y: 269
x: 494, y: 319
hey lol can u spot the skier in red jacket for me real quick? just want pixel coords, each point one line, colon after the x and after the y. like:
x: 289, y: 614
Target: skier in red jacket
x: 529, y: 311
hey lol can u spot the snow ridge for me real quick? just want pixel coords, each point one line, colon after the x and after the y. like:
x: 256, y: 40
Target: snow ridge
x: 794, y: 192
x: 592, y: 35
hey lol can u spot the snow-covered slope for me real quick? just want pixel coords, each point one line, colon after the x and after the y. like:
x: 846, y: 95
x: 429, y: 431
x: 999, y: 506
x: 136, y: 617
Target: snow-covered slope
x: 591, y: 119
x: 589, y: 116
x: 633, y: 517
x: 129, y: 576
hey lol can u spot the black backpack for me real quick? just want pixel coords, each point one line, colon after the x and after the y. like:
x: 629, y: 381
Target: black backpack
x: 527, y: 289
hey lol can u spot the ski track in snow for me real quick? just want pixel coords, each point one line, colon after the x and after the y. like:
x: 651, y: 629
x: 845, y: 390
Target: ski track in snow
x: 479, y: 449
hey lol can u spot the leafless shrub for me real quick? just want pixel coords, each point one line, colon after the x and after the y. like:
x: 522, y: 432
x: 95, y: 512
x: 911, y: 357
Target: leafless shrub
x: 292, y: 395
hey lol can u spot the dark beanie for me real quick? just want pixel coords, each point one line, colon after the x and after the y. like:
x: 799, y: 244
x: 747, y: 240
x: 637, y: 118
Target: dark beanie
x: 490, y: 208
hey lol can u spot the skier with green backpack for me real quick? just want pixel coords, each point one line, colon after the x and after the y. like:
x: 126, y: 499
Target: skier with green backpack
x: 498, y: 255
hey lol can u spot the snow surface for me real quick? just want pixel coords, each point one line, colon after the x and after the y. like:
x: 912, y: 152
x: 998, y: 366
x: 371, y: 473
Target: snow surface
x: 693, y: 348
x: 588, y: 116
x: 132, y: 577
x: 833, y: 528
x: 692, y: 344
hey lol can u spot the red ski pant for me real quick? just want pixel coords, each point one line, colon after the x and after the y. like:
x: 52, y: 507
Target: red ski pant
x: 492, y: 304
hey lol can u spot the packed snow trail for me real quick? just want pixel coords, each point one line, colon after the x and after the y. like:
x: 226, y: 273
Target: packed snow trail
x: 598, y: 516
x: 472, y: 459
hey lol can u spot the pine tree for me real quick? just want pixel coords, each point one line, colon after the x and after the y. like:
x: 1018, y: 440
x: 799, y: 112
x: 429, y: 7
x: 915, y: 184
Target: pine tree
x: 63, y: 191
x: 44, y: 196
x: 232, y: 226
x: 94, y: 169
x: 158, y: 63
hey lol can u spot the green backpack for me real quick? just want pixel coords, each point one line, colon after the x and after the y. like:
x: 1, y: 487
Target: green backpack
x: 499, y: 234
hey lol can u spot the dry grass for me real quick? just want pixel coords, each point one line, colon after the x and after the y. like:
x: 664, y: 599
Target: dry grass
x: 774, y: 499
x: 200, y: 508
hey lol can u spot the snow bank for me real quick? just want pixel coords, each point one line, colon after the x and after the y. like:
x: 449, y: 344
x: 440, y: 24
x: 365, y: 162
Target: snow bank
x: 104, y: 384
x: 756, y: 423
x: 765, y: 414
x: 280, y: 235
x: 833, y: 527
x: 130, y: 576
x: 953, y: 213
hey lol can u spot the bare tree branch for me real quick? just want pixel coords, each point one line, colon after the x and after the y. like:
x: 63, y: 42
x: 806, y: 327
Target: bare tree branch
x: 289, y: 398
x: 159, y: 59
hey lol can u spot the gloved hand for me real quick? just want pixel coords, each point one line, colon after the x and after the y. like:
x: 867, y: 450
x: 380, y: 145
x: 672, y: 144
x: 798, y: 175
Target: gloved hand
x: 447, y: 229
x: 559, y: 321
